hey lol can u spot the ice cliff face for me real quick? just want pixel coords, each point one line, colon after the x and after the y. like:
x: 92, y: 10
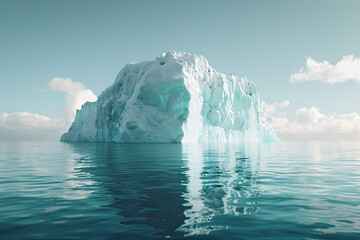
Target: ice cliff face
x: 176, y: 98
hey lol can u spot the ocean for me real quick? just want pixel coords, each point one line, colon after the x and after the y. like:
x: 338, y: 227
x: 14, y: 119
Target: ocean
x: 286, y: 190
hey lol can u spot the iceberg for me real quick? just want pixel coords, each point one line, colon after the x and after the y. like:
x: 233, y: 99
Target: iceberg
x: 178, y: 97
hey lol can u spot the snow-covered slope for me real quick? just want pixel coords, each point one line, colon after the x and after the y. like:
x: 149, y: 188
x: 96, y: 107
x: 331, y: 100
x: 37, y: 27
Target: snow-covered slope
x: 176, y: 98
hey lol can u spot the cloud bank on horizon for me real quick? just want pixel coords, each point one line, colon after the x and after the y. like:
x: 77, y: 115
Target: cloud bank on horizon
x: 30, y: 126
x: 33, y: 126
x: 311, y: 124
x: 348, y: 68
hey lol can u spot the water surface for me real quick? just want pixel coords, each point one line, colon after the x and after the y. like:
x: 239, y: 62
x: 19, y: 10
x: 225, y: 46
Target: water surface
x: 154, y: 191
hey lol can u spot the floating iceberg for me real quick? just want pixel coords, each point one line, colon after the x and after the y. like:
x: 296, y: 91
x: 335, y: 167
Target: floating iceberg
x: 176, y: 98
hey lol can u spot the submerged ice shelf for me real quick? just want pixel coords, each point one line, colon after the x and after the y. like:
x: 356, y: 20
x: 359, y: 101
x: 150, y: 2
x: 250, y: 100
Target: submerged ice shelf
x: 177, y: 97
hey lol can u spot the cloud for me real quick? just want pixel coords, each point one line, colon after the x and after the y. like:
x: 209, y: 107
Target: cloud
x: 271, y: 109
x: 348, y: 68
x: 309, y: 115
x: 65, y: 85
x: 76, y: 95
x: 33, y: 126
x: 311, y: 124
x: 30, y: 126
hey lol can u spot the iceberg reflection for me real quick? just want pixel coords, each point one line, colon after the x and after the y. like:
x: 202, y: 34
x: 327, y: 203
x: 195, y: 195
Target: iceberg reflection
x: 222, y: 180
x: 175, y: 189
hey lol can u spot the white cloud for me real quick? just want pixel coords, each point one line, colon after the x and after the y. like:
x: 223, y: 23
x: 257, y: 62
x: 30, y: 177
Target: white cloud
x: 65, y: 85
x: 313, y: 125
x: 271, y: 109
x: 309, y: 115
x: 348, y: 68
x: 76, y: 95
x: 33, y: 126
x: 30, y: 126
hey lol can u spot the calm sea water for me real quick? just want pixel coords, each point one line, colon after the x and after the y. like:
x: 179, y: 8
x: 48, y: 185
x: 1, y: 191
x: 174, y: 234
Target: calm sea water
x: 154, y: 191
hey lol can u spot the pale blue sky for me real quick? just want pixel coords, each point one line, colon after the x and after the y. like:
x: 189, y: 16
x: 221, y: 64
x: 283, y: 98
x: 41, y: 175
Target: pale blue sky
x: 90, y: 41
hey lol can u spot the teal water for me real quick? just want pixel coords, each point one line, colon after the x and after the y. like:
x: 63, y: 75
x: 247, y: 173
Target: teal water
x: 155, y: 191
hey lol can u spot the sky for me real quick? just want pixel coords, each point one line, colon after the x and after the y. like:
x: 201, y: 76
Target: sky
x: 303, y: 56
